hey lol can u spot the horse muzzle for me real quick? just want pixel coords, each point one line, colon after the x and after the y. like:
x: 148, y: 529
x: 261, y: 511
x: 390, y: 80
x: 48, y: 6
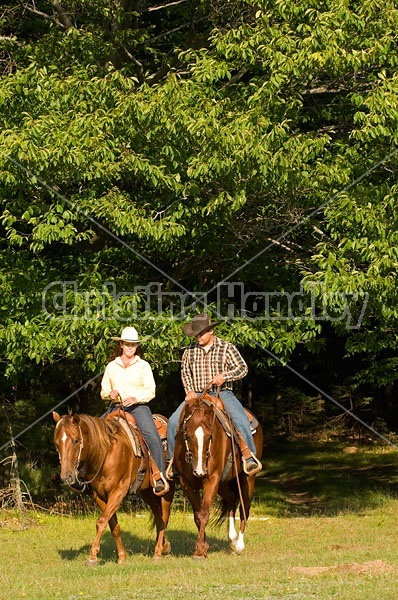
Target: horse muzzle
x: 69, y: 478
x: 69, y: 475
x: 200, y: 473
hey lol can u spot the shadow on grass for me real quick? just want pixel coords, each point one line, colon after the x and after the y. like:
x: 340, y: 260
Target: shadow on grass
x: 307, y: 477
x: 182, y: 544
x: 301, y: 478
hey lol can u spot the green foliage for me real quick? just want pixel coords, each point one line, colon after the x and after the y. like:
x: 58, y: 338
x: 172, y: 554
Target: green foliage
x: 257, y: 147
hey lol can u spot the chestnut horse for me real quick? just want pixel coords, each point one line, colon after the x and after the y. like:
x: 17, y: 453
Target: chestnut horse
x: 208, y: 459
x: 100, y: 451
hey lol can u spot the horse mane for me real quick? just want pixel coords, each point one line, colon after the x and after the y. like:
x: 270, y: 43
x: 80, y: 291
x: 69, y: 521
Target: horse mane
x: 200, y: 402
x: 104, y: 432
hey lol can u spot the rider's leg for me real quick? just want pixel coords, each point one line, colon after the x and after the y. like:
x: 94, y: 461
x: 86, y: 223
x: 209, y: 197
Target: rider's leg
x: 251, y: 464
x: 172, y: 426
x: 144, y: 420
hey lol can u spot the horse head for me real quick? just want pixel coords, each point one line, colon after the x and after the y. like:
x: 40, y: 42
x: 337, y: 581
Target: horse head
x: 68, y: 439
x: 198, y: 425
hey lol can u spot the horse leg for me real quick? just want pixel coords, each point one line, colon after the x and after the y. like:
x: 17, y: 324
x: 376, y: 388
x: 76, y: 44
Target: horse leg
x: 202, y: 514
x: 229, y: 494
x: 160, y: 507
x: 247, y: 490
x: 165, y: 502
x: 193, y: 496
x: 232, y: 535
x: 108, y: 516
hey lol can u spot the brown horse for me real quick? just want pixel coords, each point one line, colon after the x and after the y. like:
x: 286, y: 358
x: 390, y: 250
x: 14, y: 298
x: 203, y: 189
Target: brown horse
x: 207, y: 458
x: 101, y: 452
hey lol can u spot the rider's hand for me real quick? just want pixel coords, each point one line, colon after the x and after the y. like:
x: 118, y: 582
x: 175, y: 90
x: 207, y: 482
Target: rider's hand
x: 114, y: 395
x: 190, y: 397
x: 130, y: 401
x: 218, y: 380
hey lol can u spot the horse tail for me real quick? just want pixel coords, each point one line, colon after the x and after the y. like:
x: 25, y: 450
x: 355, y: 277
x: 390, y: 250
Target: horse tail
x: 220, y: 513
x: 152, y: 521
x: 153, y: 502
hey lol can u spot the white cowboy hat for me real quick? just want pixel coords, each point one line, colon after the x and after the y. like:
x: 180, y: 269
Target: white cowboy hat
x: 129, y: 334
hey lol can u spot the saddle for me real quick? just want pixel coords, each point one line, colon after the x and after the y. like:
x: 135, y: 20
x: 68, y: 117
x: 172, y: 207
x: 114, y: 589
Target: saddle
x: 129, y: 424
x: 138, y: 443
x: 223, y: 416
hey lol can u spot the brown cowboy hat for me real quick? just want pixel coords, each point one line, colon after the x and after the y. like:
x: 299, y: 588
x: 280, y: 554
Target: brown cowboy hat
x: 199, y: 324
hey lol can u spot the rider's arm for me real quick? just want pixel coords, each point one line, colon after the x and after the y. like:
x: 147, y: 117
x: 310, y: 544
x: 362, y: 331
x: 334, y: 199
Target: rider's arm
x: 235, y: 367
x: 106, y: 385
x: 186, y: 372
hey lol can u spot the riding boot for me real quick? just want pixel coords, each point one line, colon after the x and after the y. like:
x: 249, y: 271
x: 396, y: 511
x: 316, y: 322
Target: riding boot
x: 160, y: 483
x: 251, y: 464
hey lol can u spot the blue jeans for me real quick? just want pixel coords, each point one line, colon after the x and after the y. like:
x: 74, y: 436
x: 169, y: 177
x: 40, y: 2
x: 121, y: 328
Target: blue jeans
x: 233, y: 407
x: 143, y: 416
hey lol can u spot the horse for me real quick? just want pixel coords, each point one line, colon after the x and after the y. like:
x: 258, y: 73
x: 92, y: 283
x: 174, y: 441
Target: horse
x: 100, y: 452
x: 207, y: 461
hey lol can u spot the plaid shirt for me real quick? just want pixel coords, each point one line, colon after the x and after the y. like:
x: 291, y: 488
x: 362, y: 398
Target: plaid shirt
x: 199, y: 367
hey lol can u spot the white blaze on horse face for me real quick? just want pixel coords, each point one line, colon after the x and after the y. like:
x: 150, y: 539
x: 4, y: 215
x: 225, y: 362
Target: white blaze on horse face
x: 199, y: 470
x: 64, y: 437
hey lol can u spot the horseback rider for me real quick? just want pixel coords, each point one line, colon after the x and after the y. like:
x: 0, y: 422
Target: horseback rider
x: 129, y: 383
x: 211, y: 362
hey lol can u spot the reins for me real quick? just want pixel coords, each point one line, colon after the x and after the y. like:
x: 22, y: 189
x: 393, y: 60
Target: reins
x: 242, y: 504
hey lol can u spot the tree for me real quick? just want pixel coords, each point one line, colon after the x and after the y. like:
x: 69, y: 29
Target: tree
x: 257, y: 148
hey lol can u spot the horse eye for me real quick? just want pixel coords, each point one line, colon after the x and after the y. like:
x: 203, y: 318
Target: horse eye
x: 76, y: 442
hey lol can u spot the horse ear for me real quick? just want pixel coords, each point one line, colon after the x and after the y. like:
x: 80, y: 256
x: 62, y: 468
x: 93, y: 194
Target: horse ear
x: 56, y: 416
x: 76, y: 419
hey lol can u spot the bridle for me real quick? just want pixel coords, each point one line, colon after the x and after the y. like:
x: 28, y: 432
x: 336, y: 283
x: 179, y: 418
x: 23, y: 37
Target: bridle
x: 188, y: 452
x: 78, y: 460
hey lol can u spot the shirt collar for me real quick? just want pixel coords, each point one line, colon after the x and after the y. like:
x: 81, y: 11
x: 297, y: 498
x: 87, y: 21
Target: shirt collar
x: 119, y: 361
x: 216, y: 342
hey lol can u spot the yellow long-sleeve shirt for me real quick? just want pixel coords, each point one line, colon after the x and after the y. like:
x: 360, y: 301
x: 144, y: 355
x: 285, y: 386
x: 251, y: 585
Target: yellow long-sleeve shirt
x: 134, y: 381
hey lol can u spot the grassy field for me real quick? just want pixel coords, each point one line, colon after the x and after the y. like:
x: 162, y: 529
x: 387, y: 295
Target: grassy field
x: 323, y: 525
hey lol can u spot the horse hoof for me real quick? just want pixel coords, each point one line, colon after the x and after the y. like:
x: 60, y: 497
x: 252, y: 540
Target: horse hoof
x: 166, y: 549
x: 199, y: 557
x: 91, y: 562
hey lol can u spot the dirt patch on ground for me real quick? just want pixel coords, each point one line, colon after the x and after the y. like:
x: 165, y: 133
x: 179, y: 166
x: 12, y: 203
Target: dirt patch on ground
x: 374, y: 567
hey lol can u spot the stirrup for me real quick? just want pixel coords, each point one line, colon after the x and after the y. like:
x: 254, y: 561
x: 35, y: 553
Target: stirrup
x: 161, y: 486
x: 252, y: 466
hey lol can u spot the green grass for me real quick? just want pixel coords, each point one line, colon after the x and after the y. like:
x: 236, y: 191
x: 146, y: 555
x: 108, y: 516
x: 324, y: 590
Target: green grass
x: 306, y: 478
x: 315, y: 506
